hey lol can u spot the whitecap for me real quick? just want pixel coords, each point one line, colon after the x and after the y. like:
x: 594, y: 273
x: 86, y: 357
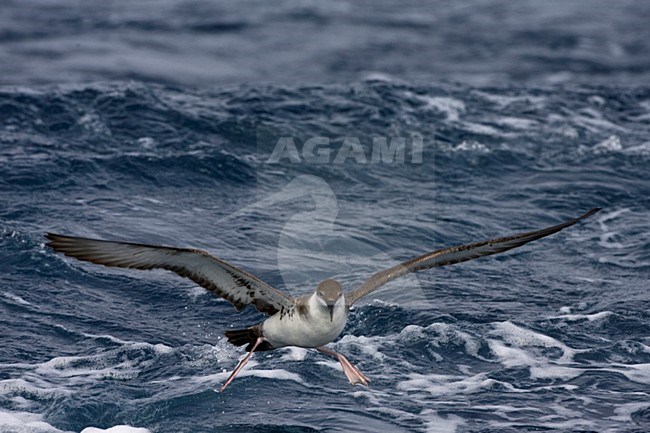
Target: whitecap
x: 546, y: 423
x: 17, y: 299
x: 479, y: 128
x: 606, y: 238
x: 93, y: 122
x: 522, y: 337
x: 471, y: 146
x: 195, y: 292
x: 441, y: 384
x: 116, y: 429
x: 89, y: 367
x: 35, y: 387
x: 368, y: 345
x: 538, y: 366
x: 589, y: 317
x: 639, y: 373
x: 624, y: 411
x: 378, y: 76
x: 279, y: 374
x: 593, y: 121
x: 63, y: 375
x: 607, y: 216
x: 25, y: 422
x: 434, y: 423
x: 550, y: 371
x: 450, y: 107
x: 449, y: 334
x: 147, y: 142
x: 503, y: 101
x: 516, y: 122
x: 641, y: 149
x: 611, y: 144
x: 517, y: 352
x: 293, y: 354
x: 158, y: 348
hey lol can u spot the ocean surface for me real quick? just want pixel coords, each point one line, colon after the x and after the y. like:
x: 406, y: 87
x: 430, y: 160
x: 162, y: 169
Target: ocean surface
x: 185, y: 123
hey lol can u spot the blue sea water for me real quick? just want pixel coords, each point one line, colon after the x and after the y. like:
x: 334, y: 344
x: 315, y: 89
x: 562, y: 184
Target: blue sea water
x: 156, y: 122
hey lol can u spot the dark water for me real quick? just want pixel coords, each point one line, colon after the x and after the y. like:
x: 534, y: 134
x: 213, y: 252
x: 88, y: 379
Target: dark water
x: 156, y: 122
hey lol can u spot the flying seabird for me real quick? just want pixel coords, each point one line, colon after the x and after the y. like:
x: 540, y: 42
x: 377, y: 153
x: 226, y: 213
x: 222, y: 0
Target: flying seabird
x: 310, y: 321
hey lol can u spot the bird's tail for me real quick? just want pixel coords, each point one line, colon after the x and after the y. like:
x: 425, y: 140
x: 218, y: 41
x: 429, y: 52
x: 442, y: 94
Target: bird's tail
x: 249, y: 336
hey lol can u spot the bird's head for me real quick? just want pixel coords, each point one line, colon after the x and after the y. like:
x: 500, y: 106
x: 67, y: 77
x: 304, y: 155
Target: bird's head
x: 329, y: 294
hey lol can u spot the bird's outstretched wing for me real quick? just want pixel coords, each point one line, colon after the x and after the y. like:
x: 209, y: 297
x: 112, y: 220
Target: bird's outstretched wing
x: 233, y: 284
x: 462, y: 253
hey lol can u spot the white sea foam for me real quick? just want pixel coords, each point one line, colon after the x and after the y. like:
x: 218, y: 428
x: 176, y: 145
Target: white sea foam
x: 505, y: 100
x: 89, y: 367
x: 374, y: 350
x: 294, y: 354
x: 588, y: 317
x: 450, y: 107
x: 539, y: 366
x: 479, y: 128
x: 276, y: 374
x: 624, y: 411
x: 606, y: 238
x: 93, y: 122
x: 511, y: 345
x: 471, y: 146
x: 36, y: 386
x: 639, y: 373
x: 19, y: 402
x: 379, y: 76
x: 516, y: 122
x: 611, y: 144
x: 546, y: 371
x: 608, y: 216
x: 158, y: 348
x: 196, y: 291
x: 515, y: 351
x: 592, y: 119
x: 25, y: 422
x: 547, y: 422
x: 521, y: 337
x: 639, y: 149
x: 505, y: 409
x: 334, y: 365
x: 367, y: 345
x: 116, y: 429
x: 64, y: 375
x: 440, y: 384
x: 217, y: 379
x: 17, y: 299
x: 434, y: 423
x: 448, y: 333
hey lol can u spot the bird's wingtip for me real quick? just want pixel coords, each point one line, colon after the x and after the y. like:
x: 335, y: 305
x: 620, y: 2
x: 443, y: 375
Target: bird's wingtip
x: 592, y: 211
x: 53, y: 237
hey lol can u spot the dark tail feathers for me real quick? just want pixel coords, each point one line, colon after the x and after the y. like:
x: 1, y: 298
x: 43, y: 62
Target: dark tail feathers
x: 239, y: 337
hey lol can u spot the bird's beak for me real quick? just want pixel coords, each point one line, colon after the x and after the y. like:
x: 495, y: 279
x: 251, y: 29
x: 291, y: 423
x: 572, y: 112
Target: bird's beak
x: 331, y: 308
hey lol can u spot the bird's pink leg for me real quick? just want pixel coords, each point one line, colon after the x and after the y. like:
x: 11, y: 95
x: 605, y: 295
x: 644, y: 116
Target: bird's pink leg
x: 241, y: 364
x: 351, y: 372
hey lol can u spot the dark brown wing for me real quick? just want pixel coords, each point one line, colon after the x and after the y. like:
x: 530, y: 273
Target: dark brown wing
x: 462, y: 253
x: 233, y: 284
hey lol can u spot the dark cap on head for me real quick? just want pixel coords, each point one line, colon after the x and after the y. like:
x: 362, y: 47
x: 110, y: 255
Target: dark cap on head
x: 329, y: 290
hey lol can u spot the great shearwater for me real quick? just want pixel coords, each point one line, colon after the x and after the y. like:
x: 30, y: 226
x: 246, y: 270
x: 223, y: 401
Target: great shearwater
x: 310, y: 321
